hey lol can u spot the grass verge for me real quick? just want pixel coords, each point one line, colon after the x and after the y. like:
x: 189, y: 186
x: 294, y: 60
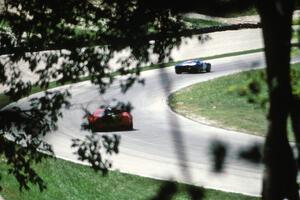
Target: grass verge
x: 215, y: 102
x: 66, y: 180
x: 250, y: 11
x: 200, y: 23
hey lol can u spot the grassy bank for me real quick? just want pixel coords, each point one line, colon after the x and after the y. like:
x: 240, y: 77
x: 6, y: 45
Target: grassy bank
x: 200, y: 23
x: 68, y: 181
x: 215, y: 102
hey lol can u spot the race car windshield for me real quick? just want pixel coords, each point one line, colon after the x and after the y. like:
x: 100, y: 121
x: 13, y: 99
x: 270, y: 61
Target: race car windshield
x: 193, y: 62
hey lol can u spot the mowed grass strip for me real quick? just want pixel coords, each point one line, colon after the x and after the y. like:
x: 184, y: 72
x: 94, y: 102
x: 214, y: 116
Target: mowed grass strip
x: 69, y: 181
x: 215, y: 102
x: 201, y: 23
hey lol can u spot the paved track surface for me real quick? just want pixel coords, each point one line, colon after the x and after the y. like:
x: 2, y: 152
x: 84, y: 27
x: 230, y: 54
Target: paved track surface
x: 165, y: 145
x: 215, y: 44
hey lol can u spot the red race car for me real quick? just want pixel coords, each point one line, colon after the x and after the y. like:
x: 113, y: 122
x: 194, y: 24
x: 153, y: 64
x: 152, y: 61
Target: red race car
x: 109, y: 119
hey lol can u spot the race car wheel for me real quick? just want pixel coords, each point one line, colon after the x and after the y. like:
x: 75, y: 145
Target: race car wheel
x: 127, y: 127
x: 208, y: 69
x: 177, y: 71
x: 130, y: 126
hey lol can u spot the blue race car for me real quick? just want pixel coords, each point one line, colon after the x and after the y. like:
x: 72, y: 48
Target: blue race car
x: 195, y: 66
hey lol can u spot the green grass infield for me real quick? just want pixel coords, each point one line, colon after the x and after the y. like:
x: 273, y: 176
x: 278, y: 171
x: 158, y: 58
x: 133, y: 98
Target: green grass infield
x: 218, y: 102
x: 69, y: 181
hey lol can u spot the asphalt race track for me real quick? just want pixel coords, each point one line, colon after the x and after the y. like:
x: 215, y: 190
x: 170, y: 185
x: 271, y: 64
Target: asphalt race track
x: 165, y: 145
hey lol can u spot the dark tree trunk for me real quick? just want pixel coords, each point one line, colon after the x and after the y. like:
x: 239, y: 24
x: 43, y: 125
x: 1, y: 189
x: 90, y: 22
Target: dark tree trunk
x: 280, y: 166
x: 295, y: 118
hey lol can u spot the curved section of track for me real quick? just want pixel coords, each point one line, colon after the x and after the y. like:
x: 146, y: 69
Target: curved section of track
x: 165, y: 145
